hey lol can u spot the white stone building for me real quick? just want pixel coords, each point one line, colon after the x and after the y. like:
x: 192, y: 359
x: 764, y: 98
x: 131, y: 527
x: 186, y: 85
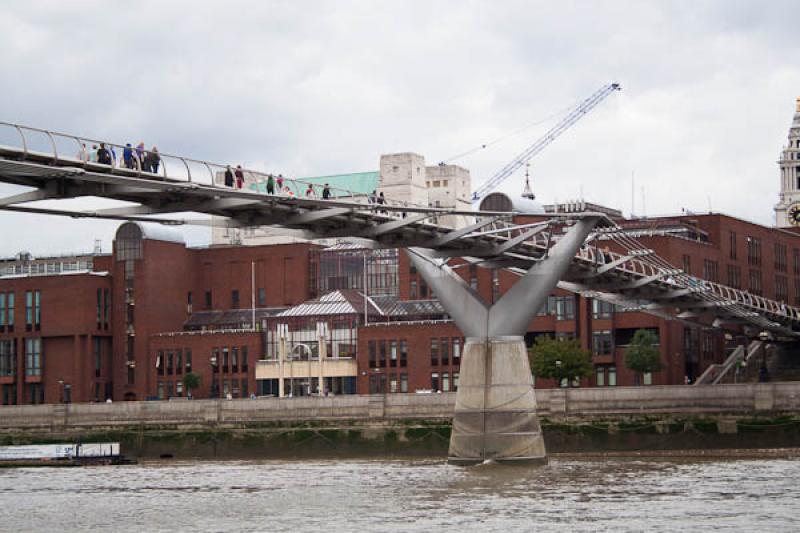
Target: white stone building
x: 787, y: 210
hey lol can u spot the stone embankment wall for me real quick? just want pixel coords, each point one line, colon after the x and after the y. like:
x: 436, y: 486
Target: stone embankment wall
x: 573, y: 420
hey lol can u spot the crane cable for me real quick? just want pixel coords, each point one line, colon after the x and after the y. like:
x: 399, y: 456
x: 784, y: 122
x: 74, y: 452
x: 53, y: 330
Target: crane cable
x: 514, y: 133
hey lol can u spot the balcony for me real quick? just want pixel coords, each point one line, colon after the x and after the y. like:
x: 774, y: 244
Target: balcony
x: 332, y: 367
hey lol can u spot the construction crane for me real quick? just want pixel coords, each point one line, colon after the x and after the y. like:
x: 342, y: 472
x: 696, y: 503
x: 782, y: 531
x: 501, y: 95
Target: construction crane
x: 530, y: 152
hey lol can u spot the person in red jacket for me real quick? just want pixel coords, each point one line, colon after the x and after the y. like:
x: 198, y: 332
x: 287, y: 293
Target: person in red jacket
x: 239, y: 177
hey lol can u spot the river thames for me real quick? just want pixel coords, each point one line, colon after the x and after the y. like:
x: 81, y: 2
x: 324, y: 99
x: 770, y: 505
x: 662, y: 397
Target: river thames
x: 406, y: 495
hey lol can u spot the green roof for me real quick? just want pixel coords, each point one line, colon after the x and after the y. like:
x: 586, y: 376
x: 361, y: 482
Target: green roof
x: 341, y: 184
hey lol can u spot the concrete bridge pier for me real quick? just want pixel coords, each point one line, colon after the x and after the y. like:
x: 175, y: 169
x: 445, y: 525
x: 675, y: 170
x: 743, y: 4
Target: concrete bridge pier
x: 495, y: 414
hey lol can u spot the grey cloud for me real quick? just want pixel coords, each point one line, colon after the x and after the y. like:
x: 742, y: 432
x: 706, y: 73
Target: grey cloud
x: 325, y: 87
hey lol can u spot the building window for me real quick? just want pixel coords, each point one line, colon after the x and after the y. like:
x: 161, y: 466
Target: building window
x: 215, y: 360
x: 565, y: 308
x: 495, y: 284
x: 97, y: 351
x: 393, y: 353
x: 403, y: 382
x: 602, y: 343
x: 601, y: 309
x: 245, y: 365
x: 735, y: 276
x: 225, y: 359
x: 33, y: 310
x: 423, y: 290
x: 373, y: 354
x: 710, y: 270
x: 445, y: 351
x: 36, y: 393
x: 755, y: 282
x: 235, y: 359
x: 99, y: 308
x: 434, y: 352
x: 392, y: 383
x: 455, y: 381
x: 170, y: 362
x: 473, y: 277
x: 403, y: 353
x: 412, y: 292
x: 456, y: 351
x: 600, y: 378
x: 612, y: 376
x: 178, y: 361
x: 160, y: 363
x: 33, y: 357
x: 262, y: 297
x: 435, y: 381
x: 781, y: 288
x: 235, y: 299
x: 754, y: 251
x: 208, y: 299
x: 445, y: 382
x: 10, y: 310
x: 382, y: 353
x: 8, y: 359
x: 2, y: 312
x: 732, y: 245
x: 687, y: 264
x: 188, y: 360
x: 780, y: 257
x: 647, y: 378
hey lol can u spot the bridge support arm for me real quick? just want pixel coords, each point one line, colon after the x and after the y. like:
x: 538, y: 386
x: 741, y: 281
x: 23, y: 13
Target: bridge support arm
x: 495, y: 414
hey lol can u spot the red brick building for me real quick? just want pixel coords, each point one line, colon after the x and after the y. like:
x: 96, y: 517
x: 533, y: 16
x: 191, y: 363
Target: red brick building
x: 130, y: 325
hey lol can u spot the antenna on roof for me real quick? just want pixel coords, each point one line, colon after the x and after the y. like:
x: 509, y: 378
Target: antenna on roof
x: 98, y: 248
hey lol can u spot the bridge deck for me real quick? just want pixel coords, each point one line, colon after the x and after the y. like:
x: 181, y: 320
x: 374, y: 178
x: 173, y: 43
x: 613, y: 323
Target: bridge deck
x: 488, y: 239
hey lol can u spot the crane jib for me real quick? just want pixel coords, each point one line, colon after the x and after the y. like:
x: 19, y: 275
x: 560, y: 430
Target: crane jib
x: 531, y: 151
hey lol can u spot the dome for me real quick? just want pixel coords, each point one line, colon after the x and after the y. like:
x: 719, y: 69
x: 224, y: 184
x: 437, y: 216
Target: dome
x: 500, y: 201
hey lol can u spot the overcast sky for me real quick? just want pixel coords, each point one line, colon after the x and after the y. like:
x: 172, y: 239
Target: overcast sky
x: 314, y: 88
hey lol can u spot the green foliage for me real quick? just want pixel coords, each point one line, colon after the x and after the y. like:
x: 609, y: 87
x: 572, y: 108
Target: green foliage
x: 643, y: 355
x: 191, y: 381
x: 559, y: 359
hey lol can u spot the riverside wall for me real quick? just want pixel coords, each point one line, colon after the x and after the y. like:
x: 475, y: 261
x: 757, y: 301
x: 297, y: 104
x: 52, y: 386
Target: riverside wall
x: 573, y: 420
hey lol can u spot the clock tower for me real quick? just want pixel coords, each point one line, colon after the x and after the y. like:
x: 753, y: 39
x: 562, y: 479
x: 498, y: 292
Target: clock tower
x: 787, y: 210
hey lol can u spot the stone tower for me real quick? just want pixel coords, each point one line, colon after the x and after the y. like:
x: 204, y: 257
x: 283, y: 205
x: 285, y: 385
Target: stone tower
x: 787, y: 210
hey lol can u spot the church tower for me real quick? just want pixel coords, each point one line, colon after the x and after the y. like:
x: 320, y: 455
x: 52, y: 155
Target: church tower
x: 787, y: 211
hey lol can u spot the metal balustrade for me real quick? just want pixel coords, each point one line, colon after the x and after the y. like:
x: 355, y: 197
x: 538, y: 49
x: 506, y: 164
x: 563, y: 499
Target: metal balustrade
x: 496, y: 241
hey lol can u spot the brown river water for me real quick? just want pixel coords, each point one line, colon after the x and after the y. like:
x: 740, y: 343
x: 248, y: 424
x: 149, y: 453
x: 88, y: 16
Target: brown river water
x: 406, y: 495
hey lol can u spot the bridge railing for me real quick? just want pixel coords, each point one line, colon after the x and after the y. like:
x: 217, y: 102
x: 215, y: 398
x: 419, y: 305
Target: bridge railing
x: 63, y: 149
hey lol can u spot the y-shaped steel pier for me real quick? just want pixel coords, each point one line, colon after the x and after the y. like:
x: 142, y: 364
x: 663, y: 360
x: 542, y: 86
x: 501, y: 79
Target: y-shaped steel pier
x: 495, y: 415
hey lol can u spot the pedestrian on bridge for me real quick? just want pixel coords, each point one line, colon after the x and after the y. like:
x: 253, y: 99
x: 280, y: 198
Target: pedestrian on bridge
x: 83, y: 155
x: 239, y: 176
x: 228, y: 176
x: 270, y: 184
x: 326, y: 192
x: 127, y: 156
x: 140, y: 154
x: 151, y: 161
x: 310, y: 193
x: 93, y: 154
x: 279, y: 181
x: 103, y: 155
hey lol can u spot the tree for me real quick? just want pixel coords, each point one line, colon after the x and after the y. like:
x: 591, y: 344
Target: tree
x: 559, y: 359
x: 643, y: 355
x: 191, y: 381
